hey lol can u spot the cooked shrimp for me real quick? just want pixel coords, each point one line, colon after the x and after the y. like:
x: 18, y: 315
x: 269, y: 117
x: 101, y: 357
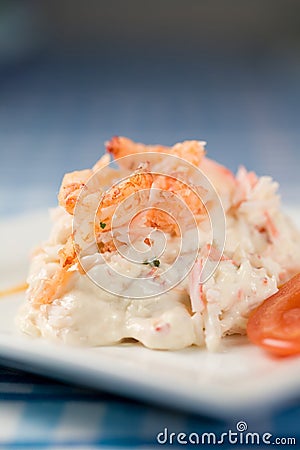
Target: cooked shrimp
x: 74, y: 182
x: 153, y: 217
x: 104, y: 247
x: 50, y: 288
x: 53, y: 286
x: 191, y: 151
x: 190, y: 195
x: 115, y: 195
x: 68, y: 254
x: 71, y: 187
x: 120, y: 146
x: 139, y: 181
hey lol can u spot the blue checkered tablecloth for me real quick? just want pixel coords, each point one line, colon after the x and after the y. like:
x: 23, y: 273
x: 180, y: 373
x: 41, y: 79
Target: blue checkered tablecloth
x: 55, y: 114
x: 38, y: 412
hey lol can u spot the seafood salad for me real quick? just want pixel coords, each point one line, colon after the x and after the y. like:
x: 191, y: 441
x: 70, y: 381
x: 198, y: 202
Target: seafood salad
x: 161, y: 245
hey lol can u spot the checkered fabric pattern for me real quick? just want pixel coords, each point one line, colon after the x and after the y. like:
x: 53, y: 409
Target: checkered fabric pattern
x: 40, y: 413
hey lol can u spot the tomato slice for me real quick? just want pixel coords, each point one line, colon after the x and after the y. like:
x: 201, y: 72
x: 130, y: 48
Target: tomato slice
x: 275, y: 324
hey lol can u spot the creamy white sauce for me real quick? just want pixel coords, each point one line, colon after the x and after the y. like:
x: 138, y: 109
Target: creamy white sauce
x: 88, y: 315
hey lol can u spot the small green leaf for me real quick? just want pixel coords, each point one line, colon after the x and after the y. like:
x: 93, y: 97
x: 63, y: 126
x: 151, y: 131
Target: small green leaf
x: 152, y: 263
x: 102, y: 225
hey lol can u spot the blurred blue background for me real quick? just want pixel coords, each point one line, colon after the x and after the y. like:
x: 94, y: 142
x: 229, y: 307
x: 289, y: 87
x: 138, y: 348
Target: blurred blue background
x: 72, y: 74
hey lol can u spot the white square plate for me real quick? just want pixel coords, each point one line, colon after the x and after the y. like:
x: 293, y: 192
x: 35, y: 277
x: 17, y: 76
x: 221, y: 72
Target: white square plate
x: 240, y: 377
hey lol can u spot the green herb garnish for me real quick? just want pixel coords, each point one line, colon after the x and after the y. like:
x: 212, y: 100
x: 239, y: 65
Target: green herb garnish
x: 153, y: 263
x: 102, y: 225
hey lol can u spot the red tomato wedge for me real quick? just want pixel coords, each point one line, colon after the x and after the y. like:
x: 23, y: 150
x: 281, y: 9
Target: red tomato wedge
x: 275, y: 324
